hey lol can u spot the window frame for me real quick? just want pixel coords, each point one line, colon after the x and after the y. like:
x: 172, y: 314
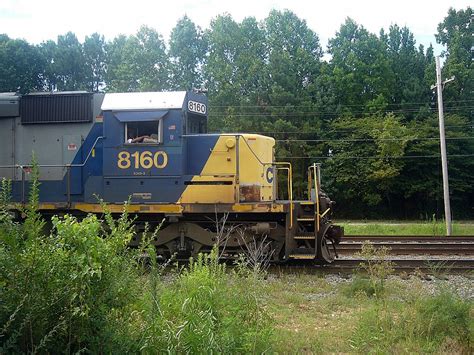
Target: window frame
x: 160, y: 134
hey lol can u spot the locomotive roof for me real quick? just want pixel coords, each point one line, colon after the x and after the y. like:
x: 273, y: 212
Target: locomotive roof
x: 143, y: 100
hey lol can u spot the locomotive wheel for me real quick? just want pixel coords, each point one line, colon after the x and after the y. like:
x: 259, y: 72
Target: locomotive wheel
x: 326, y: 249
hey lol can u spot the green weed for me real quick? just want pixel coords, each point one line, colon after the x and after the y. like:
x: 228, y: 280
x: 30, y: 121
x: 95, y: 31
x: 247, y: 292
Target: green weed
x: 377, y: 266
x: 426, y: 325
x: 360, y: 286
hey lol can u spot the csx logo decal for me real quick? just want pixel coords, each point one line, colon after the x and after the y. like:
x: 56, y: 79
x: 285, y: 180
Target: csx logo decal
x: 142, y: 160
x: 269, y: 175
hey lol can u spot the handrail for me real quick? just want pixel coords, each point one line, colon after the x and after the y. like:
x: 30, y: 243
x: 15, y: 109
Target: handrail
x: 316, y: 191
x: 56, y: 165
x: 68, y: 172
x: 290, y: 188
x: 288, y: 168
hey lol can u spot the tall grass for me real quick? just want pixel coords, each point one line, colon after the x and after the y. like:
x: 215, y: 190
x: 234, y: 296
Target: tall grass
x: 208, y: 307
x: 426, y: 325
x: 432, y: 228
x: 420, y: 324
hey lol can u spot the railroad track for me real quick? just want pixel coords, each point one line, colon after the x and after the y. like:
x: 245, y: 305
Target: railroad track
x: 409, y: 252
x: 408, y: 265
x: 349, y: 265
x: 410, y: 245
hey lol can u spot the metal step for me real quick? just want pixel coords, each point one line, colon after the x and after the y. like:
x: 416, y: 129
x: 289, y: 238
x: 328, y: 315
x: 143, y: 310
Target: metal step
x: 302, y: 253
x: 305, y: 236
x: 302, y: 256
x: 306, y: 219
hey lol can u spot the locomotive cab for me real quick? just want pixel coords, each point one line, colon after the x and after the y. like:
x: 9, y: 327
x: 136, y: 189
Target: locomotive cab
x: 156, y: 149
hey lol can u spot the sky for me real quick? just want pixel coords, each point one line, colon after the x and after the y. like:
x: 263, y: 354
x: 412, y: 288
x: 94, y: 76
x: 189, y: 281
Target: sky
x: 41, y: 20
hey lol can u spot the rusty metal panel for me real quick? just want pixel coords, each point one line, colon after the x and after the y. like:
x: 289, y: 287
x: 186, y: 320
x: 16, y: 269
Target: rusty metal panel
x: 250, y: 193
x: 56, y: 108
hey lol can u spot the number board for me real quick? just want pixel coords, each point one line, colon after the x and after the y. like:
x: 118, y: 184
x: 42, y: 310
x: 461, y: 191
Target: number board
x: 142, y: 160
x: 194, y: 106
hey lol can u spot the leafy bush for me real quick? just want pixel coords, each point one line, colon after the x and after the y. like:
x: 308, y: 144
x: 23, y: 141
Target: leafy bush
x: 81, y: 289
x: 66, y: 283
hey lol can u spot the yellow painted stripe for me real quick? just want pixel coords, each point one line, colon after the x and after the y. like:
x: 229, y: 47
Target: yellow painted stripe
x: 302, y: 256
x: 162, y: 208
x: 47, y: 206
x: 97, y: 208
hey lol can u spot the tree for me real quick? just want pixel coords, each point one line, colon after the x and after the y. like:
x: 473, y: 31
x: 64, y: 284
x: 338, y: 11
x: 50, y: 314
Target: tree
x: 69, y: 64
x: 48, y: 51
x: 455, y: 32
x: 95, y: 61
x: 361, y: 67
x: 407, y: 64
x: 117, y: 77
x: 187, y: 49
x: 138, y: 62
x: 420, y: 183
x: 365, y: 163
x: 21, y: 66
x: 294, y: 55
x: 151, y: 59
x: 234, y: 72
x: 223, y: 38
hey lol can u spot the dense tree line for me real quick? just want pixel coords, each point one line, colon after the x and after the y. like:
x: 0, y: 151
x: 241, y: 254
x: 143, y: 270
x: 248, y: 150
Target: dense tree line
x: 367, y: 113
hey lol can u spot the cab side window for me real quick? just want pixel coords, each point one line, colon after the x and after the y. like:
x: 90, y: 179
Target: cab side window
x: 148, y: 132
x: 196, y: 124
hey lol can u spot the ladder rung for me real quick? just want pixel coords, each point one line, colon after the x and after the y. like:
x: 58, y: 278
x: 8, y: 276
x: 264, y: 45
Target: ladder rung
x: 306, y: 219
x: 302, y: 256
x: 307, y: 237
x: 307, y: 203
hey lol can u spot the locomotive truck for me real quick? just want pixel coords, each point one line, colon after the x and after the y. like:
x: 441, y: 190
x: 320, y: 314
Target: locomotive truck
x: 153, y: 150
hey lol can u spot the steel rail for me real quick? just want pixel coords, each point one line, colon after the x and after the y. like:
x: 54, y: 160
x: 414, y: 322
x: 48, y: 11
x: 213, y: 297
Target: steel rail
x: 349, y: 265
x: 403, y: 238
x: 401, y: 265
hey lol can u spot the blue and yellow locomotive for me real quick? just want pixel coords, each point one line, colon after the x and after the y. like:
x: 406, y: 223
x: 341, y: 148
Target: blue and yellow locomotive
x: 153, y: 149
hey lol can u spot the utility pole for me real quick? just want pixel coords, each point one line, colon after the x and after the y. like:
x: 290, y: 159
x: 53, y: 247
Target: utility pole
x: 442, y: 138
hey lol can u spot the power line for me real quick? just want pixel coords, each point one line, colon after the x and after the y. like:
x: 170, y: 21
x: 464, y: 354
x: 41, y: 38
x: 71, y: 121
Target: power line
x: 343, y: 130
x: 329, y: 114
x: 370, y: 140
x: 322, y: 115
x: 336, y: 157
x: 341, y: 106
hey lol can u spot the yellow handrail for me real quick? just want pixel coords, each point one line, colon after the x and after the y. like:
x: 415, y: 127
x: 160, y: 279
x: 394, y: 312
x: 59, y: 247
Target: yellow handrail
x: 316, y: 190
x: 325, y: 212
x: 290, y: 186
x: 310, y: 180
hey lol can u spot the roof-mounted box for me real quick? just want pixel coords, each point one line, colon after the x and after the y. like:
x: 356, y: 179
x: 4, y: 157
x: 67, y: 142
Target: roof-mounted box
x: 64, y: 107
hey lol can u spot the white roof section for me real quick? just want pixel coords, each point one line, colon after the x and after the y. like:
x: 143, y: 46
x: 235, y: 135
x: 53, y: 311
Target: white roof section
x: 143, y: 100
